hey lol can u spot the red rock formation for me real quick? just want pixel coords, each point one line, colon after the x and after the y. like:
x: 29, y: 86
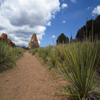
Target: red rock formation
x: 9, y: 40
x: 4, y: 36
x: 34, y: 42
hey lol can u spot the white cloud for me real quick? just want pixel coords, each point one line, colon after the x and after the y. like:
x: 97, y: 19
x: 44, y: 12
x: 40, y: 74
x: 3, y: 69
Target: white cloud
x: 63, y: 21
x: 64, y: 5
x: 49, y: 24
x: 74, y: 1
x: 21, y: 18
x: 96, y: 10
x: 18, y: 40
x: 39, y: 42
x: 88, y: 8
x: 53, y: 36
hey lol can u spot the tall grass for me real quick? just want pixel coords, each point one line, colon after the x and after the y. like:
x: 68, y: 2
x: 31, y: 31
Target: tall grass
x: 81, y: 63
x: 33, y: 51
x: 53, y: 57
x: 41, y: 53
x: 78, y: 62
x: 8, y: 55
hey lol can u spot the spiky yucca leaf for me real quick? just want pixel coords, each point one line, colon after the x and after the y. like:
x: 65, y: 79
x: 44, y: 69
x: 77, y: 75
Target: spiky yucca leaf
x: 82, y: 60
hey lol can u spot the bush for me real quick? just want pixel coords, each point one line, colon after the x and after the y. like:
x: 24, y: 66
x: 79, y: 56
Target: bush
x: 82, y: 60
x: 33, y: 51
x: 41, y: 53
x: 47, y: 50
x: 62, y: 39
x: 53, y: 57
x: 8, y: 55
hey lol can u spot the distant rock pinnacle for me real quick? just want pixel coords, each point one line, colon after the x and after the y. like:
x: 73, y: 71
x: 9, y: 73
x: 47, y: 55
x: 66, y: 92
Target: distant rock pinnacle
x: 34, y: 42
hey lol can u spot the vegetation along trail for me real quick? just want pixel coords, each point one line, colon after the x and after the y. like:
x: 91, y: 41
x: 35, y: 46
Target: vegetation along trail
x: 27, y: 81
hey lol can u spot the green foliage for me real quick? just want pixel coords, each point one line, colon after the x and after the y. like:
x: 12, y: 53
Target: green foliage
x: 48, y: 54
x: 47, y: 50
x: 78, y: 62
x: 53, y: 57
x: 13, y: 45
x: 81, y: 63
x: 41, y: 53
x: 5, y: 40
x: 92, y: 26
x: 43, y: 56
x: 8, y: 55
x: 59, y: 49
x: 62, y: 39
x: 81, y: 33
x: 44, y: 52
x: 33, y: 51
x: 5, y: 56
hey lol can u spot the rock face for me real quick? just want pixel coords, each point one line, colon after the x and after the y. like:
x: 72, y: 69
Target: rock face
x: 34, y: 42
x: 4, y: 36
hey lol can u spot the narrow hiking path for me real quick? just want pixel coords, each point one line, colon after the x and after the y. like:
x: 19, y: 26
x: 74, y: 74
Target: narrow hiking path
x: 27, y: 81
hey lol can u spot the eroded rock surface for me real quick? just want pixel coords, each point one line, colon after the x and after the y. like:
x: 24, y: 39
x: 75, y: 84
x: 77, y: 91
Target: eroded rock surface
x: 34, y: 42
x: 4, y: 36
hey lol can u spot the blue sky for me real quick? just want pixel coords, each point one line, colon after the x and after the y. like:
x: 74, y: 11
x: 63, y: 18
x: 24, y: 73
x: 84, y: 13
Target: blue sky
x: 47, y: 18
x: 75, y: 16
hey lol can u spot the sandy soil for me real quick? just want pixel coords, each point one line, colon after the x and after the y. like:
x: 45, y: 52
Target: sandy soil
x: 27, y: 81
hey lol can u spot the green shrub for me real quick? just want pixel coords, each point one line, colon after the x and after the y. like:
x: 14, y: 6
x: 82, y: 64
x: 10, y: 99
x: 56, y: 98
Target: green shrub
x: 8, y: 55
x: 40, y: 51
x: 47, y: 50
x: 81, y: 61
x: 5, y: 57
x: 17, y: 52
x: 33, y: 51
x: 43, y: 56
x: 44, y: 53
x: 53, y: 57
x: 60, y: 53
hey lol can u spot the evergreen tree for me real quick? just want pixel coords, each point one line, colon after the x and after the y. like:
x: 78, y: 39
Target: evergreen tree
x: 90, y: 30
x: 62, y: 39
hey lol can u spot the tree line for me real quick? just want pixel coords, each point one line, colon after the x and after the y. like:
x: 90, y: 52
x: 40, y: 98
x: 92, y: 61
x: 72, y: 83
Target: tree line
x: 90, y: 31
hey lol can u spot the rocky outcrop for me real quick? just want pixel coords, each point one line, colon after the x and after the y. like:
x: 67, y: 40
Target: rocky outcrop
x: 34, y: 42
x: 4, y: 36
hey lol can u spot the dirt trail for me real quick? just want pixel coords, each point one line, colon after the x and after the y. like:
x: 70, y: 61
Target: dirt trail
x: 27, y: 81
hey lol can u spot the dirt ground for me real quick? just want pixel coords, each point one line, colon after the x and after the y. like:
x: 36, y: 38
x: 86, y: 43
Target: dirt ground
x: 29, y: 80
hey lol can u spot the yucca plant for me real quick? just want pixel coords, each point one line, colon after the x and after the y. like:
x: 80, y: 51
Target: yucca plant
x: 40, y: 51
x: 60, y: 53
x: 47, y: 50
x: 6, y: 60
x: 82, y: 60
x: 42, y: 54
x: 53, y: 57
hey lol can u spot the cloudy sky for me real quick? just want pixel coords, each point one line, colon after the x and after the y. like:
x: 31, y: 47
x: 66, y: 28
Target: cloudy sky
x: 47, y: 18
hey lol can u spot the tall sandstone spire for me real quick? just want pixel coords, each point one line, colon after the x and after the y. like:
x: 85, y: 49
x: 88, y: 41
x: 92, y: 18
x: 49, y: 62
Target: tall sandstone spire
x: 34, y: 42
